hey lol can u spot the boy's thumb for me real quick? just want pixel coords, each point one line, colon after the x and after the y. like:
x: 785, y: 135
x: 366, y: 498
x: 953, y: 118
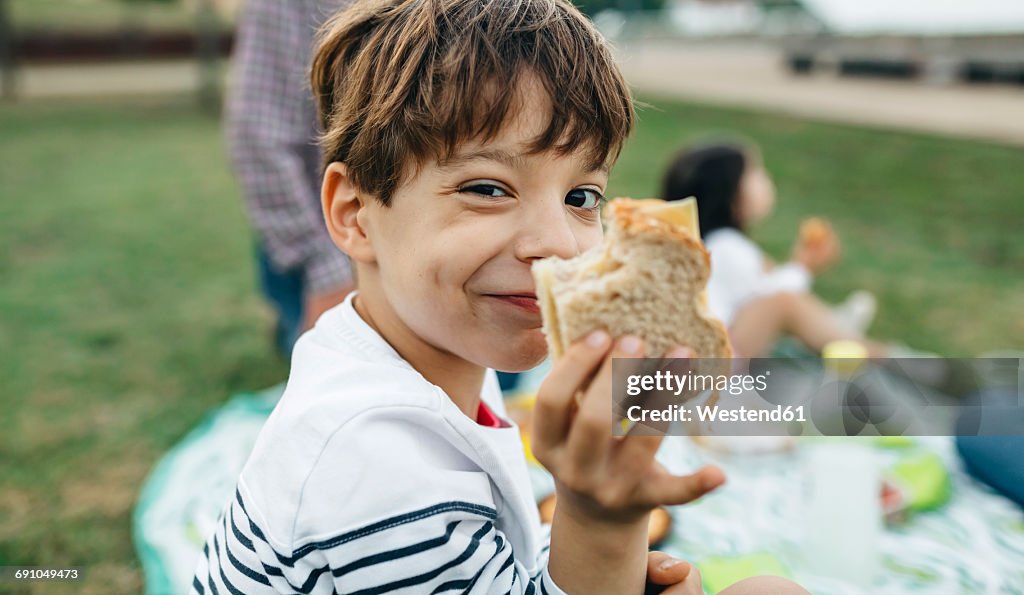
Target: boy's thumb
x: 663, y: 569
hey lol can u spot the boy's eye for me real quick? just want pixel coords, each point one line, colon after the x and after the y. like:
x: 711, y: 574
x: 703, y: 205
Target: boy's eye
x: 583, y: 198
x: 484, y: 189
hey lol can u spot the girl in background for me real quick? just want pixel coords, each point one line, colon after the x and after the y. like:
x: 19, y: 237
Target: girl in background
x: 758, y: 300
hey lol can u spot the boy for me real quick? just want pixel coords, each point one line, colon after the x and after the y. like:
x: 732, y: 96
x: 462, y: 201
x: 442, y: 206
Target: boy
x: 464, y: 139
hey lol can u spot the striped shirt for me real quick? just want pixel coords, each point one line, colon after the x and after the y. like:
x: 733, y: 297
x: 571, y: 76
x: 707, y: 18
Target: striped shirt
x: 271, y: 134
x: 368, y: 479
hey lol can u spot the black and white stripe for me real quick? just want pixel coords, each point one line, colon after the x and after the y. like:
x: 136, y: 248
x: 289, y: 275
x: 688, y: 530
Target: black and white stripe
x: 448, y: 547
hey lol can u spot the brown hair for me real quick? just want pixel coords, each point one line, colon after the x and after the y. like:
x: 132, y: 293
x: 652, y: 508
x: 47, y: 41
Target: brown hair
x: 395, y: 79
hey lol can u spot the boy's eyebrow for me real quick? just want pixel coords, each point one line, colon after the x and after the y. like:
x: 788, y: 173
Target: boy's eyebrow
x: 502, y: 156
x: 512, y: 160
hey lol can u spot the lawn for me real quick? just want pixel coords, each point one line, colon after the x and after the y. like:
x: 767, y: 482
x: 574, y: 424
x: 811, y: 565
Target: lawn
x: 101, y: 15
x: 128, y: 309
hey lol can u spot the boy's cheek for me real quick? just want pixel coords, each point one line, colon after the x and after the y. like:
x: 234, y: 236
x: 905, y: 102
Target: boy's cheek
x: 587, y: 238
x: 590, y: 236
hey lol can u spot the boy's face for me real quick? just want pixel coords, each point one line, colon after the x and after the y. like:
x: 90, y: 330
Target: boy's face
x: 452, y: 252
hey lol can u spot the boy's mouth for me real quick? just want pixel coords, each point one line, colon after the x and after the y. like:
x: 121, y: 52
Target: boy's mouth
x: 525, y: 301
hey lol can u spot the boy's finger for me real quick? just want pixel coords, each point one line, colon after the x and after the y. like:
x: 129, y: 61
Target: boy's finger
x: 634, y: 454
x: 556, y: 395
x: 676, y: 361
x: 665, y: 489
x: 643, y: 441
x: 591, y: 431
x: 663, y: 569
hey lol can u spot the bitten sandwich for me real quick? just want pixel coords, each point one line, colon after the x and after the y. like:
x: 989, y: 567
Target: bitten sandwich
x: 647, y: 279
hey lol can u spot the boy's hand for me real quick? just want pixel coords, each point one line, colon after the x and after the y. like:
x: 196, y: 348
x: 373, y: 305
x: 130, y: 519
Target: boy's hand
x: 603, y: 479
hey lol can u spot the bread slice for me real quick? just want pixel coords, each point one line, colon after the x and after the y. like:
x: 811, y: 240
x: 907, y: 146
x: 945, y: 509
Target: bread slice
x: 646, y: 279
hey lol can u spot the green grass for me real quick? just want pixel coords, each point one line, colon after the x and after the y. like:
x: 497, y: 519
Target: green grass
x: 101, y: 15
x: 128, y: 308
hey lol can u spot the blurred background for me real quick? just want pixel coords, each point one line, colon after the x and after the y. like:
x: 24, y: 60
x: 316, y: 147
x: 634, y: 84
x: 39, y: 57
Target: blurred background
x: 128, y: 302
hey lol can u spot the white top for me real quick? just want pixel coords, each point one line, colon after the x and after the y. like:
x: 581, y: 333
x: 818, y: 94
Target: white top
x: 738, y: 273
x: 367, y: 478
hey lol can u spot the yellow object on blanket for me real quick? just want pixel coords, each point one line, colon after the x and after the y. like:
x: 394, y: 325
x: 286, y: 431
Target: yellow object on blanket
x: 719, y: 572
x: 520, y: 409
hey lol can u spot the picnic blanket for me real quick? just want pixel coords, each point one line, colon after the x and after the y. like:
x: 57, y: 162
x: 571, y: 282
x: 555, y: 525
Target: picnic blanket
x: 972, y: 545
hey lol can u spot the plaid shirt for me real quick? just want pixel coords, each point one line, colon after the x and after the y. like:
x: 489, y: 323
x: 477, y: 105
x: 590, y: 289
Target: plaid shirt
x: 271, y: 134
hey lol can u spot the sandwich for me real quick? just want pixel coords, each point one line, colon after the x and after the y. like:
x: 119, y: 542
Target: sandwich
x: 647, y: 279
x: 815, y: 231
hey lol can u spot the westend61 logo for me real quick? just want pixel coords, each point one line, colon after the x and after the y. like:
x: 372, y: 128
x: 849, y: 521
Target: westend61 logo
x: 766, y: 396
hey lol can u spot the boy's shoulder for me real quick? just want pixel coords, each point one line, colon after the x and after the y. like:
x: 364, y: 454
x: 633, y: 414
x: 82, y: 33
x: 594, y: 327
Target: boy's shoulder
x: 342, y: 366
x: 326, y: 471
x: 355, y: 416
x: 344, y: 377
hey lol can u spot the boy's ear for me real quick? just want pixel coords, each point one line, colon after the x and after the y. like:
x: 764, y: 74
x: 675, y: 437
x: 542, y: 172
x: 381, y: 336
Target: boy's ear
x: 345, y: 213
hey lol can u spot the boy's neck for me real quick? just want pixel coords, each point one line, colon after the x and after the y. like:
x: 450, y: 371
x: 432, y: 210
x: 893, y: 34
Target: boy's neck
x: 461, y: 380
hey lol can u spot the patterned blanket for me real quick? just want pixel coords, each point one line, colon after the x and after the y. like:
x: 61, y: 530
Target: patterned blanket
x: 972, y: 545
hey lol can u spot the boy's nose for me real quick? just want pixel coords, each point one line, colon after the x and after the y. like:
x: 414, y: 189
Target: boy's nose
x: 547, y: 232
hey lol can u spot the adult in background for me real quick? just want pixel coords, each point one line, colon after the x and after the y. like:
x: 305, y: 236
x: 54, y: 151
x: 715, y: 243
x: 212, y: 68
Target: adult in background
x: 271, y: 133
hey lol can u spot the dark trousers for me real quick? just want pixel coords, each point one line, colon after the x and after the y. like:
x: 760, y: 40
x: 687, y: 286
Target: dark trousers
x: 996, y: 460
x: 285, y: 292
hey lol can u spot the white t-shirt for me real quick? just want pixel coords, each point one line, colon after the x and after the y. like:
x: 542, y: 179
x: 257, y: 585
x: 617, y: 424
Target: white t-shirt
x: 738, y: 273
x: 368, y: 479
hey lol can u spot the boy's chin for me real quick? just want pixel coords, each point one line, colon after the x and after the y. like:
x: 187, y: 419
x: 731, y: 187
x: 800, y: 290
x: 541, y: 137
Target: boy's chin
x: 519, y: 356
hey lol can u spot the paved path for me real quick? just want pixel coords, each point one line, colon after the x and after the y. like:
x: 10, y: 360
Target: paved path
x: 749, y: 74
x: 97, y: 80
x: 744, y: 74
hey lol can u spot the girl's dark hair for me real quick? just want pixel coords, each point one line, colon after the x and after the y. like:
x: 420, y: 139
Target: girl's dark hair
x: 711, y: 172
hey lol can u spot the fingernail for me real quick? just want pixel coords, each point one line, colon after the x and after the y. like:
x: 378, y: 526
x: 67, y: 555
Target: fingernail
x: 630, y: 344
x: 681, y: 353
x: 597, y: 339
x: 712, y: 478
x: 666, y: 564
